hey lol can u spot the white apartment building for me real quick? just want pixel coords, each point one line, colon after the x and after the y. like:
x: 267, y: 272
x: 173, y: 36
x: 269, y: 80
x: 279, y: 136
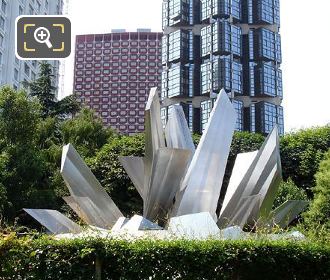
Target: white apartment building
x: 12, y: 70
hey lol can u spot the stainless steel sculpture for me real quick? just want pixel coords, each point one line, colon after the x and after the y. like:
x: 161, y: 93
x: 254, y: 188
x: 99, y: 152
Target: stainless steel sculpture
x: 177, y: 132
x: 54, y: 221
x: 262, y: 176
x: 162, y: 167
x: 200, y: 189
x: 286, y: 213
x: 82, y: 183
x: 181, y: 185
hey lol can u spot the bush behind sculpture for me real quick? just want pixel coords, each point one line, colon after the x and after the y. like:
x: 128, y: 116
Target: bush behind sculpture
x: 82, y: 259
x: 318, y: 215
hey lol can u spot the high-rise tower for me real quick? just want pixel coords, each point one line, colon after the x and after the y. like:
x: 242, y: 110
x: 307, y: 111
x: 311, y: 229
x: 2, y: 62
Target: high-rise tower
x: 12, y: 70
x: 231, y: 44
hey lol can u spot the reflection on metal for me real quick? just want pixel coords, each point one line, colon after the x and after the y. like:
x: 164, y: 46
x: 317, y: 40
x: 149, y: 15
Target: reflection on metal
x: 139, y: 223
x: 244, y: 211
x: 242, y: 163
x: 200, y: 189
x: 178, y: 135
x: 119, y: 224
x: 182, y: 184
x: 262, y: 177
x: 168, y: 170
x: 88, y: 211
x: 158, y: 175
x: 287, y: 212
x: 81, y: 182
x: 194, y: 226
x: 134, y: 167
x: 54, y: 221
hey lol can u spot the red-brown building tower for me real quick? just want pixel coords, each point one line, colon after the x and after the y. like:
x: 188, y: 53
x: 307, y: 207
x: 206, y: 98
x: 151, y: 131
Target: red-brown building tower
x: 114, y: 73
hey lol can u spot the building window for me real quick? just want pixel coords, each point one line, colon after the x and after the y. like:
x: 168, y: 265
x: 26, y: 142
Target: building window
x: 31, y: 10
x: 20, y: 10
x: 206, y: 109
x: 2, y: 22
x: 38, y: 7
x: 238, y: 105
x: 16, y: 74
x: 3, y: 6
x: 26, y: 69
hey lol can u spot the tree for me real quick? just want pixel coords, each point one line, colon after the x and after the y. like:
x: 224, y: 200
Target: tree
x: 20, y: 161
x: 301, y: 154
x: 85, y: 132
x: 108, y: 170
x: 319, y: 211
x: 42, y: 88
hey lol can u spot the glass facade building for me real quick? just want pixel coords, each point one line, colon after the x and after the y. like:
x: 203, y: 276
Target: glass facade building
x: 231, y: 44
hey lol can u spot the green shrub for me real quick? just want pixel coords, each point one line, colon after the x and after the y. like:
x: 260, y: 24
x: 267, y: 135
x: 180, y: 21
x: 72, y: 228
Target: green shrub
x: 109, y: 259
x: 289, y: 191
x: 318, y: 215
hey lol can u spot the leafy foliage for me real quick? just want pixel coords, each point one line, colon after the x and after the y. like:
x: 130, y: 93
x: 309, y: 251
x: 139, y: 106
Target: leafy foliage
x: 107, y: 168
x: 86, y: 133
x: 319, y: 212
x: 42, y: 88
x: 146, y: 259
x: 301, y: 154
x: 289, y: 191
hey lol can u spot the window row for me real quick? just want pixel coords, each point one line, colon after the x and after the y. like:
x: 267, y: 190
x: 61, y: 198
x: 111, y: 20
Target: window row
x: 123, y: 84
x: 107, y: 45
x: 132, y: 57
x: 82, y: 53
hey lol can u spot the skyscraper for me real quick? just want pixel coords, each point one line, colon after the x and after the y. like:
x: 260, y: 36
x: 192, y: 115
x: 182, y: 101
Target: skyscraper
x: 114, y: 73
x: 12, y: 70
x: 232, y: 44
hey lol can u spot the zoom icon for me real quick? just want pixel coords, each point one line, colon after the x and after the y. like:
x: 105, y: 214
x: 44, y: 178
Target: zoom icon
x: 43, y: 37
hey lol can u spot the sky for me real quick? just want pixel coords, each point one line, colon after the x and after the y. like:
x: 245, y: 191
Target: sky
x: 305, y: 48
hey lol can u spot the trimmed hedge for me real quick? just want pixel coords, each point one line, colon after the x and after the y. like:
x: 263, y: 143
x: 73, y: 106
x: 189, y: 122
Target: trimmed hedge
x: 45, y: 258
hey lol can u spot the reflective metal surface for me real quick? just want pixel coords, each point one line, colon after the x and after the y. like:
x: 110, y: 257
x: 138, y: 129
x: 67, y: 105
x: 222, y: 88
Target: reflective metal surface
x: 168, y: 169
x: 242, y: 163
x: 54, y: 221
x: 88, y: 211
x: 194, y: 226
x: 287, y: 212
x: 262, y: 177
x: 81, y: 182
x: 200, y: 189
x: 244, y: 211
x: 139, y: 223
x: 177, y: 132
x: 134, y: 167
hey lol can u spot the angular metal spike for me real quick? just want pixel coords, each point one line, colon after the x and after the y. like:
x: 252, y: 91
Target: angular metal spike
x: 261, y: 178
x: 200, y: 189
x: 287, y: 212
x: 177, y: 132
x: 134, y: 167
x: 81, y: 182
x: 88, y: 211
x: 242, y: 163
x: 54, y: 221
x: 168, y: 169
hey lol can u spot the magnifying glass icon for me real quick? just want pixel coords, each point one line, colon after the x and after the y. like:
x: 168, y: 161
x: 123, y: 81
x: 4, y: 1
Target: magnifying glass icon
x: 42, y: 35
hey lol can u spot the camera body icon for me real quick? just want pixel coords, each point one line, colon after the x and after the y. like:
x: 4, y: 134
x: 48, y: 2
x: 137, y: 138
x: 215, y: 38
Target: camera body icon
x: 43, y: 37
